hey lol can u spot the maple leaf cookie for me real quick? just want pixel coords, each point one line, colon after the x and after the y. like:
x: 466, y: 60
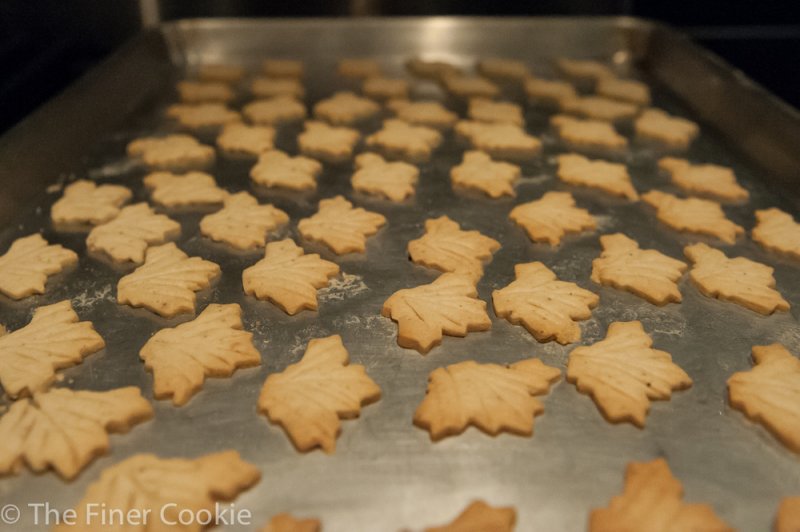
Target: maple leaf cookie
x: 479, y: 172
x: 492, y: 397
x: 282, y: 68
x: 501, y: 140
x: 449, y: 305
x: 431, y: 69
x: 424, y: 113
x: 655, y: 124
x: 599, y: 108
x: 84, y: 202
x: 485, y: 110
x: 276, y: 169
x: 171, y: 151
x: 182, y: 190
x: 583, y: 69
x: 503, y: 69
x: 341, y: 227
x: 65, y: 430
x: 463, y: 86
x: 551, y: 217
x: 788, y: 518
x: 704, y: 179
x: 54, y: 339
x: 243, y: 223
x: 627, y: 90
x: 382, y: 88
x: 398, y: 139
x: 327, y: 143
x: 609, y: 177
x: 392, y: 180
x: 204, y: 91
x: 345, y: 108
x: 203, y: 115
x: 247, y: 140
x: 479, y: 516
x: 271, y: 87
x: 739, y: 280
x: 211, y: 345
x: 126, y: 237
x: 693, y: 215
x: 309, y: 397
x: 274, y: 111
x: 595, y: 134
x: 548, y: 90
x: 27, y: 264
x: 646, y: 273
x: 776, y: 230
x: 287, y: 523
x: 288, y: 277
x: 359, y: 67
x: 167, y: 281
x: 220, y: 72
x: 448, y: 248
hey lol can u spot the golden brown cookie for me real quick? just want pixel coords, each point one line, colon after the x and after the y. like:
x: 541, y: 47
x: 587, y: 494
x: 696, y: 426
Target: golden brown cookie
x: 392, y: 180
x: 777, y: 231
x: 246, y: 140
x: 503, y: 68
x: 204, y: 91
x: 657, y: 125
x: 282, y: 68
x: 84, y: 202
x: 431, y: 69
x: 220, y: 72
x: 485, y: 110
x: 28, y: 262
x: 627, y: 90
x: 480, y: 517
x: 126, y: 237
x: 588, y: 133
x: 359, y: 67
x: 341, y: 227
x: 463, y: 86
x: 171, y: 151
x: 272, y: 87
x: 277, y: 169
x: 552, y: 216
x: 479, y: 172
x: 500, y: 140
x: 243, y: 223
x: 274, y: 111
x: 203, y: 115
x: 382, y: 88
x: 704, y: 179
x: 599, y: 108
x: 423, y: 113
x: 182, y: 190
x: 327, y: 143
x: 288, y: 523
x: 549, y: 91
x: 583, y: 69
x: 693, y: 215
x: 345, y: 108
x: 788, y: 518
x: 398, y: 139
x: 613, y: 178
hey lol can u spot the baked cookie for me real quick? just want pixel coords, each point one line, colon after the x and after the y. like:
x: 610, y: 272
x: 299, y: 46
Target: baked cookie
x: 288, y: 523
x: 204, y: 91
x: 693, y: 215
x: 308, y: 398
x: 243, y: 223
x: 479, y: 516
x: 327, y: 143
x: 500, y: 140
x: 431, y: 69
x: 485, y: 110
x: 171, y: 151
x: 627, y: 90
x: 592, y: 134
x: 599, y: 108
x: 341, y: 227
x: 272, y: 87
x: 788, y: 518
x: 381, y: 88
x: 392, y: 180
x: 549, y: 91
x: 345, y: 108
x: 276, y: 169
x: 463, y: 86
x: 552, y: 216
x: 777, y: 231
x: 182, y: 190
x: 84, y: 202
x: 739, y: 280
x: 274, y: 111
x: 623, y: 373
x: 203, y: 115
x: 503, y: 69
x: 282, y: 68
x: 246, y: 140
x: 479, y: 172
x: 126, y: 237
x: 704, y: 179
x: 657, y: 125
x: 609, y: 177
x: 424, y: 113
x: 359, y: 67
x: 220, y: 72
x: 583, y: 69
x: 28, y: 262
x: 401, y: 140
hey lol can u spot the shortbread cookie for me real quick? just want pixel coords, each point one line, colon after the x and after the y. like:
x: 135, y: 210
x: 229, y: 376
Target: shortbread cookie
x: 485, y: 110
x: 272, y: 87
x: 309, y: 397
x: 211, y: 345
x: 704, y: 179
x: 463, y: 86
x: 274, y: 111
x: 424, y: 113
x: 84, y: 202
x: 327, y: 143
x: 392, y: 180
x: 431, y: 69
x: 65, y: 430
x: 479, y: 516
x: 247, y: 140
x: 167, y: 281
x: 243, y: 223
x: 287, y: 523
x: 220, y: 72
x: 548, y: 90
x: 165, y: 490
x: 345, y: 108
x: 609, y: 177
x: 739, y: 280
x: 693, y: 215
x: 627, y: 90
x: 204, y: 91
x: 172, y: 151
x: 448, y: 248
x: 583, y: 69
x: 54, y: 339
x: 593, y: 134
x: 449, y: 305
x: 500, y: 140
x: 287, y: 277
x: 479, y: 172
x: 623, y: 373
x: 282, y: 68
x: 341, y: 227
x: 503, y: 69
x: 126, y: 237
x: 655, y: 124
x: 27, y: 264
x: 599, y: 108
x: 358, y: 67
x: 181, y: 190
x: 551, y: 217
x: 653, y: 500
x: 400, y: 139
x: 645, y: 272
x: 275, y: 169
x: 203, y: 115
x: 788, y: 518
x: 777, y: 231
x: 382, y: 88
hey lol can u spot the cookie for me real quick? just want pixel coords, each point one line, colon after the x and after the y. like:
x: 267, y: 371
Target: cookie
x: 246, y: 140
x: 463, y: 86
x: 288, y: 523
x: 484, y: 110
x: 341, y: 227
x: 220, y: 72
x: 327, y: 143
x: 272, y: 87
x: 392, y: 180
x: 693, y: 215
x: 276, y: 169
x: 626, y: 90
x: 503, y: 141
x: 204, y: 91
x: 657, y: 125
x: 551, y: 217
x: 548, y: 91
x: 423, y: 113
x: 479, y: 516
x: 609, y: 177
x: 382, y: 88
x: 739, y: 280
x: 84, y: 202
x: 359, y: 67
x: 345, y: 108
x: 503, y: 69
x: 592, y: 134
x: 287, y: 277
x: 167, y: 281
x: 479, y: 172
x: 182, y: 190
x: 646, y: 273
x: 704, y: 179
x: 583, y: 69
x: 282, y: 68
x: 54, y: 339
x: 126, y: 237
x: 448, y: 248
x: 623, y: 373
x: 274, y: 111
x: 309, y: 397
x: 171, y: 151
x: 599, y: 108
x: 777, y: 231
x: 203, y: 115
x: 65, y: 430
x: 243, y: 223
x: 28, y: 262
x: 449, y: 305
x: 401, y: 140
x: 431, y: 69
x: 788, y: 518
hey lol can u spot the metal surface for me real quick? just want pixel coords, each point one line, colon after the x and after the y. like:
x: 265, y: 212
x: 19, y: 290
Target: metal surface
x: 386, y: 474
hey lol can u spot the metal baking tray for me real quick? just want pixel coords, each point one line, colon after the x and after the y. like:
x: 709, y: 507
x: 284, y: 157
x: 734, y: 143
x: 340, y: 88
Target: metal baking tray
x: 386, y: 474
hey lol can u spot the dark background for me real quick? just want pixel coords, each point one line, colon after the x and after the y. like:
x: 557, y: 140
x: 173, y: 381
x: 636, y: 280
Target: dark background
x: 46, y: 44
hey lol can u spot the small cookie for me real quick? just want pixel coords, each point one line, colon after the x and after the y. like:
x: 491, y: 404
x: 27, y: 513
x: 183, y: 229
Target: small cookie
x: 587, y: 133
x: 287, y: 277
x: 126, y: 237
x: 274, y: 111
x: 398, y: 139
x: 327, y: 143
x: 549, y: 91
x: 704, y: 179
x: 603, y: 175
x: 435, y: 70
x: 203, y: 115
x: 28, y: 262
x: 777, y: 231
x: 478, y: 171
x: 308, y: 398
x: 503, y: 69
x: 167, y: 281
x: 646, y: 273
x: 181, y: 190
x: 738, y: 280
x: 623, y: 373
x: 273, y: 87
x: 242, y: 223
x: 204, y: 91
x: 84, y: 202
x: 172, y: 151
x: 358, y: 67
x: 479, y: 516
x: 484, y: 110
x: 341, y: 227
x: 392, y: 180
x: 463, y: 86
x: 503, y: 141
x: 693, y: 215
x: 788, y: 518
x: 287, y: 523
x: 276, y: 169
x: 599, y: 108
x: 425, y: 113
x: 627, y: 90
x: 449, y: 305
x: 220, y: 72
x: 552, y: 216
x: 382, y: 88
x: 583, y: 69
x: 246, y: 140
x: 657, y: 125
x: 282, y: 68
x: 345, y: 108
